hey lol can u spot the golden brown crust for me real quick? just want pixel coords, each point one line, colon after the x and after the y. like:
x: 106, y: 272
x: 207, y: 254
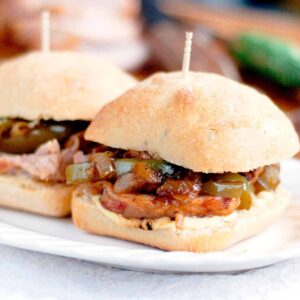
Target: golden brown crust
x: 23, y: 193
x: 196, y: 234
x: 59, y: 86
x: 206, y: 123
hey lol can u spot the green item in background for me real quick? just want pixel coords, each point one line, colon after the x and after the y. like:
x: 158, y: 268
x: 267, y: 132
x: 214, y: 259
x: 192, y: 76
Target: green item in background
x: 269, y: 56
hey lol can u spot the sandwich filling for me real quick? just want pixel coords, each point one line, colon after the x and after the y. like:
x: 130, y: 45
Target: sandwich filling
x: 40, y: 149
x: 137, y: 185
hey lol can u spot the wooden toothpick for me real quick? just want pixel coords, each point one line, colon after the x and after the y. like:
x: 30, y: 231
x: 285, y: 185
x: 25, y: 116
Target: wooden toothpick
x: 187, y: 54
x: 45, y: 31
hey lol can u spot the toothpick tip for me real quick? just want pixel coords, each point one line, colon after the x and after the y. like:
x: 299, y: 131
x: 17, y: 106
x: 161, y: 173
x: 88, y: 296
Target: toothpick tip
x: 45, y: 13
x: 187, y: 54
x: 45, y: 31
x: 189, y: 35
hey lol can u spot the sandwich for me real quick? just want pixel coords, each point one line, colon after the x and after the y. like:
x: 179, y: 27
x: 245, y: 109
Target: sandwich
x: 46, y: 102
x: 184, y: 164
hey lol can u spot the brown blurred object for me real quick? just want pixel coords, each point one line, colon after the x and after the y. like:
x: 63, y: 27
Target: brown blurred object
x: 292, y: 5
x: 111, y: 27
x: 167, y: 39
x: 230, y: 21
x: 294, y: 115
x: 286, y: 99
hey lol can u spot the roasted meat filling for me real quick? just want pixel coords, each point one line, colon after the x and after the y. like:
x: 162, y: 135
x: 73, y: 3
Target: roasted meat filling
x: 136, y: 185
x: 151, y: 207
x: 41, y: 149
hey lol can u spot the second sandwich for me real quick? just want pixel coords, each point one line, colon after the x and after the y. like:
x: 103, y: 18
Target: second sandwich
x: 46, y: 101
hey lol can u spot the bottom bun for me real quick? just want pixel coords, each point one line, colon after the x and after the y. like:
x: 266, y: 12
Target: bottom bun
x: 194, y: 234
x: 22, y: 193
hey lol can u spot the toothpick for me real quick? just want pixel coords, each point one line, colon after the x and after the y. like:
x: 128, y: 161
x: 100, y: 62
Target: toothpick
x: 187, y: 54
x: 45, y: 31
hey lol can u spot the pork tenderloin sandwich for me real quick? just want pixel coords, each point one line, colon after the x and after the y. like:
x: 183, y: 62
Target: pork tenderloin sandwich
x: 46, y: 101
x: 184, y: 164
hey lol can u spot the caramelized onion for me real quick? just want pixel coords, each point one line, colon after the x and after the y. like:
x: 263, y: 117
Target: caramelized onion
x: 268, y: 179
x: 126, y: 183
x: 20, y: 128
x: 91, y: 173
x: 145, y: 173
x: 104, y: 165
x: 174, y: 187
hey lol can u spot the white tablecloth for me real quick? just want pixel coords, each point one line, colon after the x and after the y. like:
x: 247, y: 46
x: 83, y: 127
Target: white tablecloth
x: 30, y: 275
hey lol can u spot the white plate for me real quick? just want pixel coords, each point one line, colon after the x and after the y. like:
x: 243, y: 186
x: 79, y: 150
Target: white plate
x: 280, y: 242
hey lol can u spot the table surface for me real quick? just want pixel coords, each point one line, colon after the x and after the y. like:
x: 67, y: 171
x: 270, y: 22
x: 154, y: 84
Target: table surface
x: 29, y: 275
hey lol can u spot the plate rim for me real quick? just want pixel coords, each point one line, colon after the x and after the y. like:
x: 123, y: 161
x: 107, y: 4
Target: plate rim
x: 112, y: 255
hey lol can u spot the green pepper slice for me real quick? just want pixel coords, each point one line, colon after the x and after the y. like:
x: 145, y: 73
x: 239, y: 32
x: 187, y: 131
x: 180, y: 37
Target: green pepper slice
x: 246, y: 199
x: 229, y: 177
x: 5, y: 124
x: 231, y: 185
x: 77, y: 173
x: 223, y: 189
x: 37, y: 136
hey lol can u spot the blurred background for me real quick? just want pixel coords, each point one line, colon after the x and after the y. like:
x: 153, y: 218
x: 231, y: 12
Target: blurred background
x: 257, y: 42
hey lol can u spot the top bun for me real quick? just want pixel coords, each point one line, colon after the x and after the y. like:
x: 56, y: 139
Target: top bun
x: 59, y: 86
x: 206, y: 123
